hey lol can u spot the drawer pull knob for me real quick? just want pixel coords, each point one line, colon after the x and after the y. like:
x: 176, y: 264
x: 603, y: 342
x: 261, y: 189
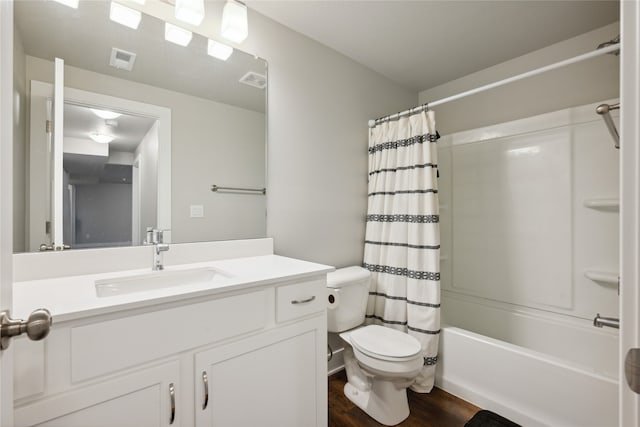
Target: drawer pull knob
x: 172, y: 395
x: 205, y: 381
x: 303, y: 301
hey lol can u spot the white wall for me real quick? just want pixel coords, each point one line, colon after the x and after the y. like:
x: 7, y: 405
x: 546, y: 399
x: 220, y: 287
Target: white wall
x: 319, y: 105
x: 319, y: 102
x: 589, y: 81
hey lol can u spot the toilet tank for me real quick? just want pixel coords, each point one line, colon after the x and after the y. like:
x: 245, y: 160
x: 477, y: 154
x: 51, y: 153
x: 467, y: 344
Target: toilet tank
x: 347, y: 292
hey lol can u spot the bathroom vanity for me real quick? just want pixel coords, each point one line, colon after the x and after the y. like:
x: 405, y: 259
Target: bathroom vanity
x: 243, y: 344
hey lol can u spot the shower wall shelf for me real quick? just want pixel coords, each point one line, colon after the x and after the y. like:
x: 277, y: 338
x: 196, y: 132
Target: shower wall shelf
x: 602, y: 204
x: 602, y: 276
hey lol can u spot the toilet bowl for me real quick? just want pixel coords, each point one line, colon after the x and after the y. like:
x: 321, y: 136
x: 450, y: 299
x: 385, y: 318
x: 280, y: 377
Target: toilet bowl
x: 380, y: 362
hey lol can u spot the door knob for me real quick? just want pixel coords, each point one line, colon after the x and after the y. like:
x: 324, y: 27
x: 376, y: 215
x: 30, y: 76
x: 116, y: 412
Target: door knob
x: 37, y: 326
x: 632, y: 369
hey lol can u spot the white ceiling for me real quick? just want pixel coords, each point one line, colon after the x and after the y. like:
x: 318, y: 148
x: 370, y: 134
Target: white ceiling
x: 423, y: 43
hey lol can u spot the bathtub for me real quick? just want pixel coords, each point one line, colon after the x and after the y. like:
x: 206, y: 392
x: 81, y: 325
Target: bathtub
x: 524, y: 385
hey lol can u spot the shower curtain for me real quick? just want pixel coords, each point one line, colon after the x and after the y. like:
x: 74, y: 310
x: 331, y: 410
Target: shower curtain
x: 402, y: 240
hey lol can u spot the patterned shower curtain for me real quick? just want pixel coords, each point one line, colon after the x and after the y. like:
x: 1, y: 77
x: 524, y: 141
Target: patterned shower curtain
x: 402, y: 241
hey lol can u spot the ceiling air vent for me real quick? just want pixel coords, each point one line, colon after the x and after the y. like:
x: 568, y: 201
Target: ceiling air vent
x: 121, y: 59
x: 254, y: 79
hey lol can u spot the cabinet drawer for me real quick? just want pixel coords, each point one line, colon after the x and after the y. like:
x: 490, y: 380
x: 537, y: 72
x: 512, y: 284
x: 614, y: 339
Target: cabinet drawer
x: 299, y: 299
x: 105, y: 347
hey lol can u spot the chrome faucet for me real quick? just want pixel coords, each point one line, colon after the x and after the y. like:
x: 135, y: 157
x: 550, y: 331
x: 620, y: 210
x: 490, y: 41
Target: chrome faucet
x: 157, y: 239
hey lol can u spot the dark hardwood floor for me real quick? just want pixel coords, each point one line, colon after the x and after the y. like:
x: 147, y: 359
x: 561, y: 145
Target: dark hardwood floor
x: 435, y: 409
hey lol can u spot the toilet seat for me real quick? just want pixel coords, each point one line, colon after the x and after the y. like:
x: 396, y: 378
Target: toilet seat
x: 387, y: 344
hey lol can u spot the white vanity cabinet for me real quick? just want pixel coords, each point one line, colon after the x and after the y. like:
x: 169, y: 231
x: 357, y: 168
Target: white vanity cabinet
x: 137, y: 399
x: 262, y: 349
x: 270, y: 379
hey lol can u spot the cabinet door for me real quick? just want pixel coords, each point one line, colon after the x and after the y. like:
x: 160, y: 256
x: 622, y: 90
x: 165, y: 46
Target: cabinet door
x: 139, y: 399
x: 271, y: 380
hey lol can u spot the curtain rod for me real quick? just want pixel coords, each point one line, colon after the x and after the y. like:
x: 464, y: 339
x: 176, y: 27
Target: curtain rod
x: 564, y: 63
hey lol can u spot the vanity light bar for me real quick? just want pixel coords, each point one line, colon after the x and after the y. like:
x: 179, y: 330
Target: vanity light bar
x: 219, y: 50
x: 177, y: 35
x: 190, y: 11
x: 234, y: 21
x: 124, y: 15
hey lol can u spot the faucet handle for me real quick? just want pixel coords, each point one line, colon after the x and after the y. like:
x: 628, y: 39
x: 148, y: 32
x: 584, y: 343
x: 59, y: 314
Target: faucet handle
x: 149, y: 236
x: 155, y: 235
x: 158, y: 236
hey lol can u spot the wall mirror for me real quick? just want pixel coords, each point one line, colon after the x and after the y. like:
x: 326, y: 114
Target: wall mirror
x: 179, y: 122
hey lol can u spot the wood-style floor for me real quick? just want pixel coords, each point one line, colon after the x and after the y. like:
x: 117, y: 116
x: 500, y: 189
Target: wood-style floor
x: 435, y: 409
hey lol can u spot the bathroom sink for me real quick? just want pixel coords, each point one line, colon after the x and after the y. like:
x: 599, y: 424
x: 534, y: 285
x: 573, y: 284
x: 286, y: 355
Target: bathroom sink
x: 159, y: 280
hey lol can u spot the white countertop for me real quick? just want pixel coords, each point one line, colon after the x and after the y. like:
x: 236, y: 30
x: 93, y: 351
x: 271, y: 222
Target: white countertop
x: 74, y: 297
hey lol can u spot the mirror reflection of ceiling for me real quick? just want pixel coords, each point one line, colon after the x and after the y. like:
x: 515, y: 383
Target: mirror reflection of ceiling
x: 127, y: 130
x: 84, y: 38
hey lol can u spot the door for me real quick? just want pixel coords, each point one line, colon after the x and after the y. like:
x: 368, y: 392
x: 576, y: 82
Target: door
x: 57, y: 157
x: 630, y: 215
x: 46, y: 185
x: 145, y: 397
x: 6, y: 195
x: 40, y: 157
x: 274, y: 374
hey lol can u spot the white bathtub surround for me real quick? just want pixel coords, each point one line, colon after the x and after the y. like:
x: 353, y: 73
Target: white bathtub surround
x: 402, y: 241
x: 515, y: 228
x: 528, y: 258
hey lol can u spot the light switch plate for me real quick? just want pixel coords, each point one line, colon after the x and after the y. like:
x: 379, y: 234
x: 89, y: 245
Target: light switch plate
x: 197, y: 211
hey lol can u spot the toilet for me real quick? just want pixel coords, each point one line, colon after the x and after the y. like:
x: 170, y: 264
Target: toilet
x: 380, y: 362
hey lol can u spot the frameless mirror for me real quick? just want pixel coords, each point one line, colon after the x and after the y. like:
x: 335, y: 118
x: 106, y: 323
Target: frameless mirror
x: 185, y: 122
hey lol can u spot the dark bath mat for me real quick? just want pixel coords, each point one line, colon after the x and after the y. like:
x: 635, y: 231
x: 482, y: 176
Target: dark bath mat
x: 486, y: 418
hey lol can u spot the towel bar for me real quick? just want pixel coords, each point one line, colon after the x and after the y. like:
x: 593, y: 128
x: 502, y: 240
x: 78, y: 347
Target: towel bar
x: 216, y: 188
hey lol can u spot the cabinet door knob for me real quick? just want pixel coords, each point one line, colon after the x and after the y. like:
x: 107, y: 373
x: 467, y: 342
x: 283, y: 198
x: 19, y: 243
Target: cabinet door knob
x: 172, y: 395
x: 205, y: 381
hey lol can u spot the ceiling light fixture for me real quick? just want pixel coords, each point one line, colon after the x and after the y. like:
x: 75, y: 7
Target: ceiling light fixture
x: 101, y: 138
x: 234, y: 21
x: 177, y: 35
x: 219, y: 50
x: 125, y: 15
x: 190, y: 11
x: 105, y: 114
x: 70, y: 3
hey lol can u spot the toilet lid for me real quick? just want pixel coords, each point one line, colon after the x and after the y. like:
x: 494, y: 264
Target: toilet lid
x: 378, y: 341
